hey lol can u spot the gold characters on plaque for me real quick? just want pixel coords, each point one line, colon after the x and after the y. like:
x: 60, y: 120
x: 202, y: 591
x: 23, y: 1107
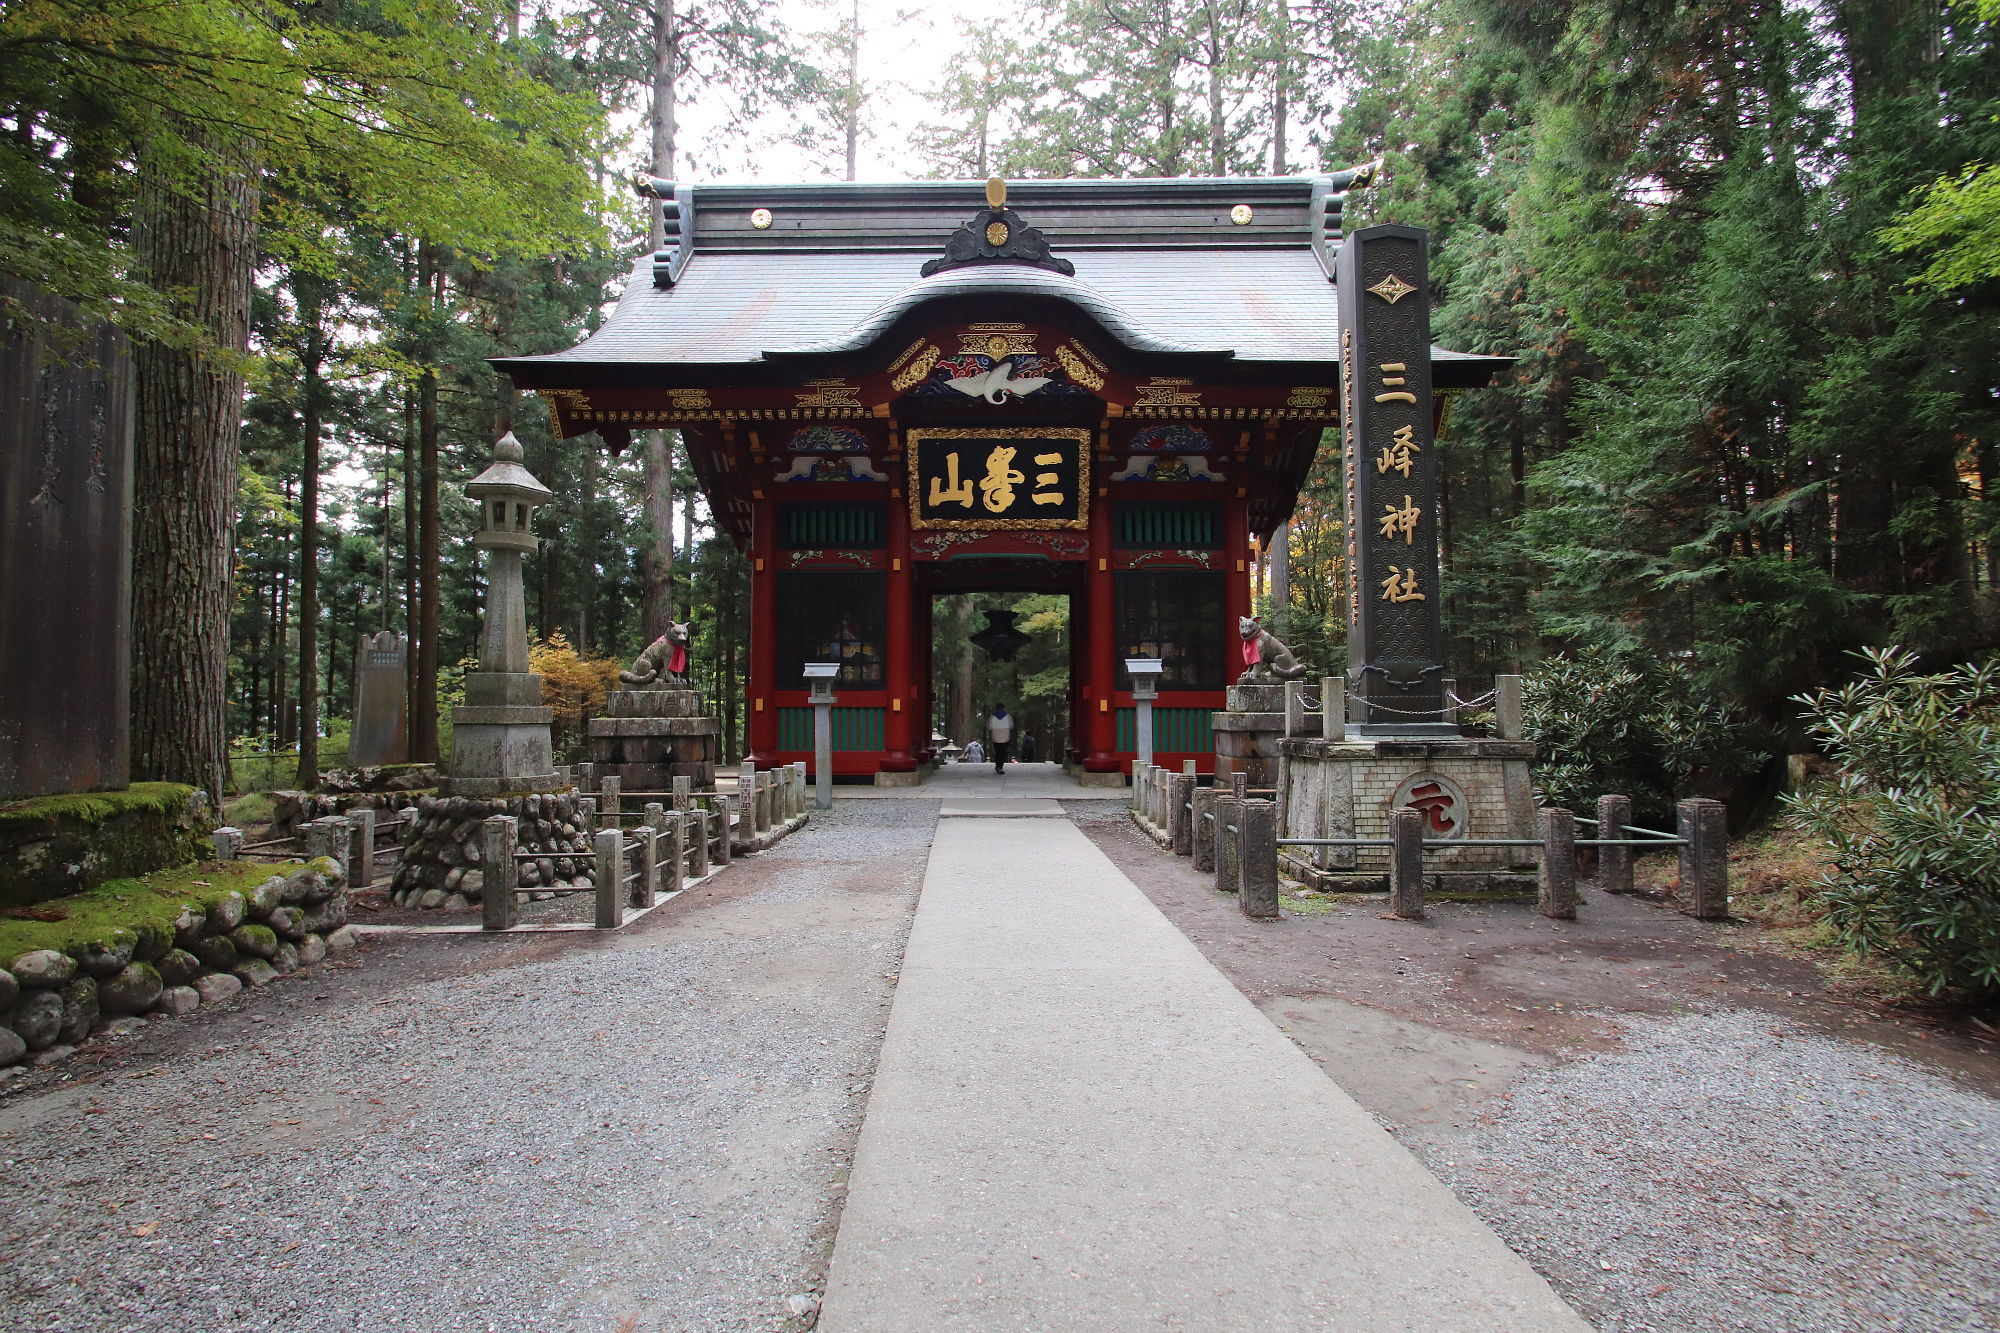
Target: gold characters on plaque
x: 948, y: 489
x: 1393, y: 380
x: 996, y: 488
x: 1402, y: 586
x: 1041, y: 495
x: 1401, y: 522
x: 1400, y: 454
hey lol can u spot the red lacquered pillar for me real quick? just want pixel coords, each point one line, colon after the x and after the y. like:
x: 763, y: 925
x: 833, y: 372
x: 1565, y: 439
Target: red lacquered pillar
x: 763, y: 636
x: 898, y: 644
x: 1100, y: 661
x: 1235, y: 581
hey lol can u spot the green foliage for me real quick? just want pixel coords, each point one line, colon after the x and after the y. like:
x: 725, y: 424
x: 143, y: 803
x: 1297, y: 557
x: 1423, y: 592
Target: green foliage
x: 1913, y: 818
x: 1611, y: 721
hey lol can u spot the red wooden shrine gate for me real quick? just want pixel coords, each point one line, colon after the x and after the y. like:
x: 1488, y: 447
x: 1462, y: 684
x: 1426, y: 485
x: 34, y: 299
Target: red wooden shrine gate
x: 1101, y: 388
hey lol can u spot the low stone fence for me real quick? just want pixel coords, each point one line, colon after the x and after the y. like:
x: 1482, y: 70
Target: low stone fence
x: 1229, y: 833
x: 50, y: 1000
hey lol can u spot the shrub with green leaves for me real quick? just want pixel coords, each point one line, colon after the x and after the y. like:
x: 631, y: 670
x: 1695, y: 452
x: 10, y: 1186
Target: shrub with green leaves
x: 1610, y: 721
x: 1913, y: 819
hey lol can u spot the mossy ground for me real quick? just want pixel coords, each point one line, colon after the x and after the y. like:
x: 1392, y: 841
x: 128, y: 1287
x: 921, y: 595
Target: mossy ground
x: 155, y: 900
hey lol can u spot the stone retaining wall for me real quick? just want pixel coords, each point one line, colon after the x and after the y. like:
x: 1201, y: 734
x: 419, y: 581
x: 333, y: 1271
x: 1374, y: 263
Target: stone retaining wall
x: 441, y: 853
x: 50, y: 1000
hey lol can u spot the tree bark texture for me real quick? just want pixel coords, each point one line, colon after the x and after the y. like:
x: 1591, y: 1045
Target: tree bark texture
x: 423, y: 703
x: 656, y: 556
x: 197, y: 238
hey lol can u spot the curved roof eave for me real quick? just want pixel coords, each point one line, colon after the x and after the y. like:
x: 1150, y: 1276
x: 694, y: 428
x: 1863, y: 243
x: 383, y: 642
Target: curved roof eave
x: 1004, y: 280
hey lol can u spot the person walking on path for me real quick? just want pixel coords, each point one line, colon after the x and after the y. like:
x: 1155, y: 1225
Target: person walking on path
x: 1000, y: 730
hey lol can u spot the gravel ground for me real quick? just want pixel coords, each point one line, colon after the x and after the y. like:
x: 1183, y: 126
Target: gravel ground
x: 649, y: 1132
x: 1734, y: 1171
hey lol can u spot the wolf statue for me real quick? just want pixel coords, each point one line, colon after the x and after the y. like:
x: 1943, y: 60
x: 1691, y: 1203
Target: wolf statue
x: 1266, y: 661
x: 663, y: 666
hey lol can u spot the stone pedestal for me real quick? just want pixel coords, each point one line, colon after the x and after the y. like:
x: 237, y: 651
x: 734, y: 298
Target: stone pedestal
x: 1247, y: 735
x: 1463, y: 788
x: 500, y: 737
x: 648, y: 737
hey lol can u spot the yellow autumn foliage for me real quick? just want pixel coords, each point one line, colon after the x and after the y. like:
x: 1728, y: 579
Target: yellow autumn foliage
x: 572, y: 684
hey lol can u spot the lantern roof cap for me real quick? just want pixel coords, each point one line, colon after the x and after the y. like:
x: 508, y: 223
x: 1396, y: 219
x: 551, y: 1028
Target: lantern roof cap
x: 506, y: 473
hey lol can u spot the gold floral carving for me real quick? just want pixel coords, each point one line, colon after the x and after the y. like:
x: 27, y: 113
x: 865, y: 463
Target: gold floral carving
x: 1074, y: 367
x: 1309, y: 395
x: 996, y: 233
x: 689, y: 400
x: 1164, y: 392
x: 829, y: 393
x: 914, y: 374
x: 986, y: 340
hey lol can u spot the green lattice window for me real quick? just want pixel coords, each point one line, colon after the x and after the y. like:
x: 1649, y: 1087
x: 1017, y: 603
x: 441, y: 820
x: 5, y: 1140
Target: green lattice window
x: 853, y: 729
x: 830, y: 526
x: 1161, y: 526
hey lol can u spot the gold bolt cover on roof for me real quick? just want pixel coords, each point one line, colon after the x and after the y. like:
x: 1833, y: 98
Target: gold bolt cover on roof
x: 996, y: 193
x: 760, y: 218
x: 1241, y: 214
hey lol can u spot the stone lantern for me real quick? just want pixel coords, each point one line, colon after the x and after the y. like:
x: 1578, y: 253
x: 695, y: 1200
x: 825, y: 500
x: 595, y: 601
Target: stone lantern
x: 500, y: 736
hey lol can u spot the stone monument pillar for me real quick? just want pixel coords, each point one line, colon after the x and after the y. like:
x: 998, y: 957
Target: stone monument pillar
x: 500, y: 736
x: 381, y: 701
x: 1401, y: 747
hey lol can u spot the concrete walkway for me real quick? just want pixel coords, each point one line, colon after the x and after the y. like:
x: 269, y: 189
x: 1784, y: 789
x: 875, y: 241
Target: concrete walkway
x: 1079, y: 1124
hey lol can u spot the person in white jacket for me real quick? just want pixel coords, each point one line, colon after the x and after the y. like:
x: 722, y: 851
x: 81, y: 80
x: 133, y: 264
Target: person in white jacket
x: 1000, y: 730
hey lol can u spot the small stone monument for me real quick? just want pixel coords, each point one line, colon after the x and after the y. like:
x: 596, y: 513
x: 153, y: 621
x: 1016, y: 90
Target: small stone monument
x: 500, y: 735
x: 657, y: 728
x: 381, y: 701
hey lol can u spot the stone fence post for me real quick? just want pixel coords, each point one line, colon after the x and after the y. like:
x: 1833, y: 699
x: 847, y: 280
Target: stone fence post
x: 1295, y: 708
x: 1557, y: 896
x: 647, y: 892
x: 1257, y: 859
x: 609, y: 790
x: 1406, y: 863
x: 675, y: 852
x: 499, y: 909
x: 610, y: 879
x: 228, y: 843
x: 1201, y: 830
x: 1179, y: 824
x: 728, y: 816
x: 361, y: 848
x: 1614, y: 864
x: 586, y: 814
x: 1332, y: 708
x: 1705, y: 858
x: 1508, y: 718
x: 1228, y: 873
x: 701, y: 820
x: 327, y: 836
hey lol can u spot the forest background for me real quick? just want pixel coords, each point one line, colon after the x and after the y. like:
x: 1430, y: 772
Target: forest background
x: 1746, y: 251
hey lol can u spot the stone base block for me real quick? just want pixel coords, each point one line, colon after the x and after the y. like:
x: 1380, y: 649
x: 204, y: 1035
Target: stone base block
x: 1468, y: 789
x: 885, y: 778
x: 1085, y: 778
x: 1247, y: 743
x: 654, y: 703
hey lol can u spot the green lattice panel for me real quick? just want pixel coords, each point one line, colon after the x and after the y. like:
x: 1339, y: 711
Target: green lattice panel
x: 1175, y: 731
x: 853, y: 729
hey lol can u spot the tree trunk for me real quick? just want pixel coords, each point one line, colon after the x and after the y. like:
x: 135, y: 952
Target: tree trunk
x: 310, y: 312
x: 423, y: 703
x: 1281, y: 580
x: 656, y: 557
x: 410, y: 540
x: 853, y: 84
x: 200, y: 240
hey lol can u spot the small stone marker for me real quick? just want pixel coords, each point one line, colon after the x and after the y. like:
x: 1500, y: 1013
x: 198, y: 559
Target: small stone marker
x: 1614, y: 864
x: 228, y: 843
x: 1201, y: 831
x: 1406, y: 863
x: 609, y: 878
x: 499, y: 908
x: 1257, y: 859
x: 1557, y: 897
x: 1180, y: 824
x: 361, y: 848
x: 683, y: 792
x: 380, y: 733
x: 1227, y: 830
x: 1705, y: 858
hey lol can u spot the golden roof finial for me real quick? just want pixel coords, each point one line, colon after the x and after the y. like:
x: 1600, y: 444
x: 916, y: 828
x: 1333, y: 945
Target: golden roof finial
x: 996, y: 193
